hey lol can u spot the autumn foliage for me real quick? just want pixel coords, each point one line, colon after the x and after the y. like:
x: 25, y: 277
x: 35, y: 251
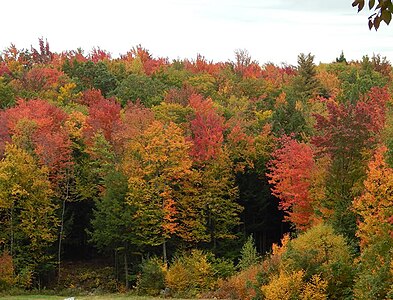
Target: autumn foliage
x: 375, y: 206
x: 207, y: 129
x: 291, y: 174
x: 138, y: 156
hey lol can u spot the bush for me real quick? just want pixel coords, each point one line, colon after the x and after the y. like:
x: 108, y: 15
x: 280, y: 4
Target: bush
x: 292, y: 286
x: 79, y: 278
x: 284, y: 286
x: 315, y: 289
x: 24, y: 279
x: 249, y: 254
x: 247, y: 283
x: 375, y: 271
x: 6, y: 271
x: 242, y: 285
x: 151, y: 280
x: 190, y: 275
x: 321, y: 251
x: 222, y: 268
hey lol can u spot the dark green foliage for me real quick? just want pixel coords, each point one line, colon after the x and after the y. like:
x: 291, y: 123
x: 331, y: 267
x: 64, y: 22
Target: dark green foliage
x: 306, y: 84
x: 147, y: 90
x: 222, y: 267
x: 293, y: 116
x: 90, y: 75
x: 341, y: 58
x: 357, y: 79
x: 151, y: 280
x: 7, y: 95
x: 112, y: 215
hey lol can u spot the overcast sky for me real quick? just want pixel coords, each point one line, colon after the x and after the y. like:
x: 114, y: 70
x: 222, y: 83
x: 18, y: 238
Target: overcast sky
x: 271, y: 30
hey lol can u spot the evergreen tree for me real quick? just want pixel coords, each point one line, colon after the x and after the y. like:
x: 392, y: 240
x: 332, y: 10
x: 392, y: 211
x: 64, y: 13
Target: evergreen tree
x: 249, y: 254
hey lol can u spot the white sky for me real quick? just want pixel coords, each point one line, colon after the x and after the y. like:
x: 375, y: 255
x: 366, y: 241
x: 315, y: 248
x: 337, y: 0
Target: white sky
x: 271, y: 30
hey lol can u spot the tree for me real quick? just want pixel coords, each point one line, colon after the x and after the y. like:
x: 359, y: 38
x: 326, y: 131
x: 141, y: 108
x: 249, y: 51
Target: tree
x: 320, y: 251
x: 43, y: 55
x: 149, y: 91
x: 383, y: 11
x: 217, y: 194
x: 306, y: 83
x: 207, y: 129
x: 90, y: 75
x: 135, y: 119
x: 341, y: 58
x: 344, y: 135
x: 375, y: 230
x: 28, y: 219
x: 249, y: 254
x: 7, y: 94
x: 112, y: 224
x: 38, y: 127
x: 375, y: 205
x: 290, y: 175
x: 156, y: 164
x: 104, y: 117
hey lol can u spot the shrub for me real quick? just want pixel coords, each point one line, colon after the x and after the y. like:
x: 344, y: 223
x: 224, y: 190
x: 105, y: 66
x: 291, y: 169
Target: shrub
x: 249, y: 254
x: 321, y: 251
x: 246, y: 284
x: 88, y: 278
x: 292, y: 286
x: 190, y: 274
x: 151, y: 280
x: 222, y: 268
x: 375, y: 271
x: 315, y: 289
x: 240, y: 286
x: 284, y: 286
x: 6, y: 271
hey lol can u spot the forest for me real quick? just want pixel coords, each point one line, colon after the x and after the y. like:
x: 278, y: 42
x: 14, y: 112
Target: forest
x: 192, y: 178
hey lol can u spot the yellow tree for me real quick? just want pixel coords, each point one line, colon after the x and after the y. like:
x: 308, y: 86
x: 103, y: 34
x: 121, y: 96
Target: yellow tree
x: 28, y: 221
x: 157, y: 164
x: 375, y: 230
x: 218, y: 193
x: 375, y: 206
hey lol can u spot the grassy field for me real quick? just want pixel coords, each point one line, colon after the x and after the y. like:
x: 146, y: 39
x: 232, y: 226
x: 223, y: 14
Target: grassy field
x: 102, y: 297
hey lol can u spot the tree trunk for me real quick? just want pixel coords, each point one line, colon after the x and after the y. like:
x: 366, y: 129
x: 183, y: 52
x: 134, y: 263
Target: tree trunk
x: 12, y: 232
x: 60, y: 240
x: 61, y: 230
x: 164, y: 252
x: 126, y: 267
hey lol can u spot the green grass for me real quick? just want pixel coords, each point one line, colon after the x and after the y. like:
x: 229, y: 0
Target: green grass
x: 102, y: 297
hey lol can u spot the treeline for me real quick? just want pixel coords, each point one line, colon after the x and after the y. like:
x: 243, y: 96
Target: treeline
x: 137, y: 155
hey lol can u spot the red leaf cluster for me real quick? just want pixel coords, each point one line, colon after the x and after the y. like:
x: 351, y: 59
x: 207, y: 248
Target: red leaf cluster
x: 98, y: 54
x: 49, y: 137
x: 207, y: 129
x: 91, y: 97
x: 4, y: 69
x: 350, y: 126
x: 290, y: 174
x: 104, y: 117
x: 150, y: 64
x: 42, y: 78
x: 201, y: 65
